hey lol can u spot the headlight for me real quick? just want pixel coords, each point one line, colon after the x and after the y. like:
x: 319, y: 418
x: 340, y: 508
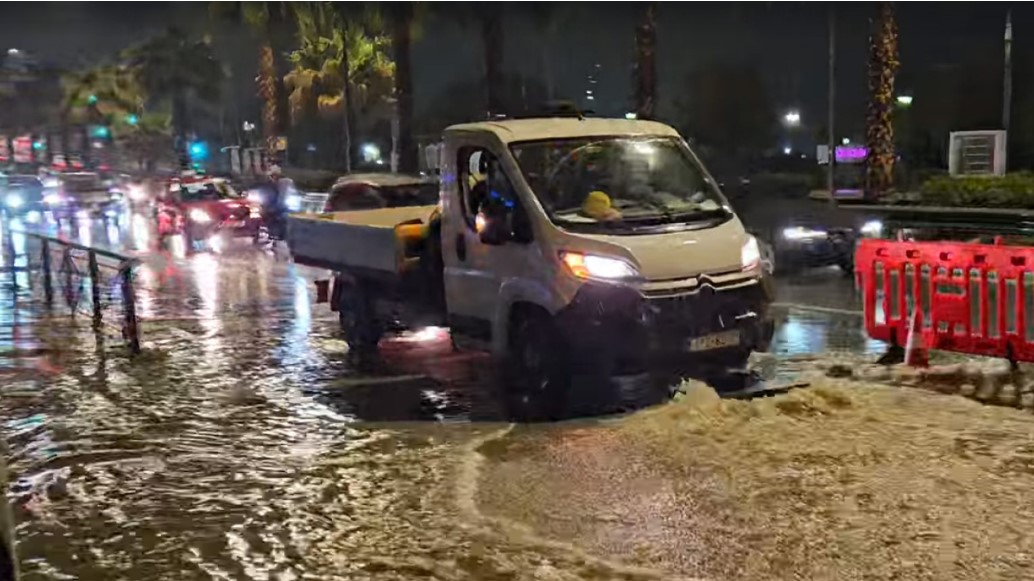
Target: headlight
x: 293, y: 202
x: 255, y: 197
x: 602, y: 267
x: 750, y: 254
x: 255, y: 212
x: 14, y: 201
x: 799, y: 233
x: 137, y: 193
x: 52, y: 199
x: 198, y: 215
x: 872, y: 228
x: 51, y: 182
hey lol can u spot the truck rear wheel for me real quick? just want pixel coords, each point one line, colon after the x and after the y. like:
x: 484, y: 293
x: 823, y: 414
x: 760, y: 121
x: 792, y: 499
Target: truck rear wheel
x: 538, y: 370
x: 358, y: 320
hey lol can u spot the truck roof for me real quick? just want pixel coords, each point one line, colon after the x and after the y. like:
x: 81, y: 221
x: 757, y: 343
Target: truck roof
x: 513, y: 130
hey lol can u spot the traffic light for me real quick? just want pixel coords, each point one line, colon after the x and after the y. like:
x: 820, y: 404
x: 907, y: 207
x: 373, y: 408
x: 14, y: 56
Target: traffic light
x: 37, y: 145
x: 132, y: 119
x: 101, y: 132
x: 198, y: 150
x: 92, y: 99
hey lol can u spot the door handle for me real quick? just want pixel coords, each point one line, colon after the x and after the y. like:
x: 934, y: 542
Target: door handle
x: 461, y: 247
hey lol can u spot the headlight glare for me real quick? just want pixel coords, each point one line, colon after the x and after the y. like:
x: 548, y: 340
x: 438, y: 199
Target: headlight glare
x: 200, y: 216
x: 750, y: 254
x: 801, y: 233
x: 598, y: 267
x: 14, y: 201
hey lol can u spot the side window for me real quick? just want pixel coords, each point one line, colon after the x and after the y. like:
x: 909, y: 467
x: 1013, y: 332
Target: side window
x: 487, y: 189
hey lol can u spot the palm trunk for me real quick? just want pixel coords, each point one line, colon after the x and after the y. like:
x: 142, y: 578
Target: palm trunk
x: 646, y: 65
x: 883, y: 65
x: 401, y: 41
x: 348, y: 116
x: 492, y: 37
x: 267, y: 91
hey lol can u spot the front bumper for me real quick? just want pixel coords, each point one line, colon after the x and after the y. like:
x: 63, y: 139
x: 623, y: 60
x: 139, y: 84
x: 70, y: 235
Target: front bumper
x: 629, y: 331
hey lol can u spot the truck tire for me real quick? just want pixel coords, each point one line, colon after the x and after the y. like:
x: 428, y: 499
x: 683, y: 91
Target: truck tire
x: 537, y: 367
x: 358, y: 320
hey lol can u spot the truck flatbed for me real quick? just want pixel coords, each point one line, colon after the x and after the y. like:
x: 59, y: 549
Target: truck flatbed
x: 358, y: 239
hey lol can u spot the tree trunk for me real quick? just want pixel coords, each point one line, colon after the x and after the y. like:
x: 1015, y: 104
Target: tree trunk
x: 646, y: 64
x: 267, y: 91
x: 492, y: 37
x: 879, y: 131
x: 401, y: 40
x: 347, y: 115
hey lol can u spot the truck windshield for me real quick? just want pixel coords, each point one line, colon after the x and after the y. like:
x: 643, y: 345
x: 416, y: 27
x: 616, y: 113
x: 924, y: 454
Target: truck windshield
x: 619, y: 182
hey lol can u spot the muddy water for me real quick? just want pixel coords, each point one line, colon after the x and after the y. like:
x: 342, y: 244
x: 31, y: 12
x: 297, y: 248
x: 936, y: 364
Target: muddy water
x: 242, y: 445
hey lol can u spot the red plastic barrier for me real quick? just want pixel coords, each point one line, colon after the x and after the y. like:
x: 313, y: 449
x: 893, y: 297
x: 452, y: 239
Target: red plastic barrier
x: 972, y: 298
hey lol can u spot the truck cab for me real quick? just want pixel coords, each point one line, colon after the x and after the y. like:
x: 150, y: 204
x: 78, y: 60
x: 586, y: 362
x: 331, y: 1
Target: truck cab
x: 567, y: 247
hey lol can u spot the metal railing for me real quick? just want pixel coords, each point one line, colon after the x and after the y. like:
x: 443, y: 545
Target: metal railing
x: 71, y: 279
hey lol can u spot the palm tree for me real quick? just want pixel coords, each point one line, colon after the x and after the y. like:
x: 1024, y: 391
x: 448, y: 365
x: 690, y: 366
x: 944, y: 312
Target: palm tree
x: 105, y: 95
x: 402, y: 18
x: 879, y: 133
x: 646, y: 65
x: 176, y: 68
x: 331, y: 50
x: 269, y: 21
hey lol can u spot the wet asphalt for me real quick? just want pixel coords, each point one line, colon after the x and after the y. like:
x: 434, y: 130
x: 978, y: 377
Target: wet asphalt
x: 243, y: 443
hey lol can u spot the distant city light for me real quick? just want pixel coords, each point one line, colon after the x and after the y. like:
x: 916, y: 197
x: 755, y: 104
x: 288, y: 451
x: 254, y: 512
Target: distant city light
x: 13, y: 51
x: 792, y: 118
x: 249, y: 126
x: 371, y: 153
x: 630, y: 115
x: 904, y: 100
x: 845, y: 141
x: 787, y: 150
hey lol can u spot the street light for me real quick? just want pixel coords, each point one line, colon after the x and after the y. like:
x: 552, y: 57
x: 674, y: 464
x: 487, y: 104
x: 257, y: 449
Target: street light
x: 787, y: 150
x: 630, y: 115
x: 792, y: 118
x: 904, y: 100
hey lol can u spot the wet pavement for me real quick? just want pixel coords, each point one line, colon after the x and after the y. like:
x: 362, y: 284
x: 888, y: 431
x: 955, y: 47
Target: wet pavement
x: 242, y: 444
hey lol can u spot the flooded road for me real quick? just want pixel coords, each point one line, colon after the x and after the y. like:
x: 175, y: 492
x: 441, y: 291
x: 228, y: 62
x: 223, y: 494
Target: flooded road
x: 243, y: 445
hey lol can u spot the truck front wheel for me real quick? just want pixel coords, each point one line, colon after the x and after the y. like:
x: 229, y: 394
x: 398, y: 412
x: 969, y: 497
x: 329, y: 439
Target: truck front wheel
x: 538, y: 369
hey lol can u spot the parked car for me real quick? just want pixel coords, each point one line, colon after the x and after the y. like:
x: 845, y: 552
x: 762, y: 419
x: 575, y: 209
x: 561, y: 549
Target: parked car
x: 75, y: 192
x: 206, y: 211
x: 381, y: 190
x: 21, y: 194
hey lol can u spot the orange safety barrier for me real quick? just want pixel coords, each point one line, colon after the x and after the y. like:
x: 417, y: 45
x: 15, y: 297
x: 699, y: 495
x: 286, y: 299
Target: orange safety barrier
x: 972, y: 298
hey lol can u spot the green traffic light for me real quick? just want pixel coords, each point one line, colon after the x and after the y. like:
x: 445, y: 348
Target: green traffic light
x: 132, y: 119
x: 92, y: 99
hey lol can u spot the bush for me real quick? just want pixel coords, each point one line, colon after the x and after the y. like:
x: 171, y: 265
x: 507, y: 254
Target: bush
x: 1015, y: 190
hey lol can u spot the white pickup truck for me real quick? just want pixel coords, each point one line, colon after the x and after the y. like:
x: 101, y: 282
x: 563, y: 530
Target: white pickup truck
x: 565, y: 246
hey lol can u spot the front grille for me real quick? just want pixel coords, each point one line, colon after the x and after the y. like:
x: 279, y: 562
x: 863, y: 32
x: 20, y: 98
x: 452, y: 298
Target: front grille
x: 706, y: 311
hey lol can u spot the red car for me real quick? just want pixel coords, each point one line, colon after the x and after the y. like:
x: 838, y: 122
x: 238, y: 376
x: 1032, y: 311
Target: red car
x: 206, y: 211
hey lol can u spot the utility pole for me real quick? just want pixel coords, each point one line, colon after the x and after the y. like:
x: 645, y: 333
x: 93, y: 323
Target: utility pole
x: 1007, y: 77
x: 830, y: 136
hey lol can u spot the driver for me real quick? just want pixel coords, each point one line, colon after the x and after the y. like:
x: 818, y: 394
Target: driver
x: 597, y: 206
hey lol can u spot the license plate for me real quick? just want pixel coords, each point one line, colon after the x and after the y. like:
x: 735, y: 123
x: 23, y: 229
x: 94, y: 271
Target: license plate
x: 715, y: 341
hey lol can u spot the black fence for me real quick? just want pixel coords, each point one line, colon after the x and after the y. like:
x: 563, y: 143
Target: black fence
x: 85, y: 279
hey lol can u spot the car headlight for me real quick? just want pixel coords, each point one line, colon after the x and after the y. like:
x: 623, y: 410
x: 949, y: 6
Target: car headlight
x: 750, y: 253
x: 801, y: 233
x: 200, y: 216
x: 52, y: 199
x: 137, y: 193
x: 115, y: 194
x: 14, y: 201
x: 600, y: 267
x: 872, y: 228
x: 254, y: 212
x: 51, y: 182
x: 293, y: 202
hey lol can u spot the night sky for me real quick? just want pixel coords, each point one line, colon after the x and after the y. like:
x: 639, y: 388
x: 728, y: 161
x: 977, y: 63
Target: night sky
x: 786, y: 41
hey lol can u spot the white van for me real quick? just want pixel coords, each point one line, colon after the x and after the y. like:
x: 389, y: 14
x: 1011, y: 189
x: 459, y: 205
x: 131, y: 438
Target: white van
x: 563, y: 245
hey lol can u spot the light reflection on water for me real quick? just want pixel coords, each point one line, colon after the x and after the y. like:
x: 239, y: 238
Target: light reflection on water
x: 244, y: 445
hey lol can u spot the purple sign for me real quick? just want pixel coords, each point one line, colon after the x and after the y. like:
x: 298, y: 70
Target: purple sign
x: 851, y: 153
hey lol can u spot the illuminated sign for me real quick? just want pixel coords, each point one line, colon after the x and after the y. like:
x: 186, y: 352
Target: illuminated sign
x: 851, y: 153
